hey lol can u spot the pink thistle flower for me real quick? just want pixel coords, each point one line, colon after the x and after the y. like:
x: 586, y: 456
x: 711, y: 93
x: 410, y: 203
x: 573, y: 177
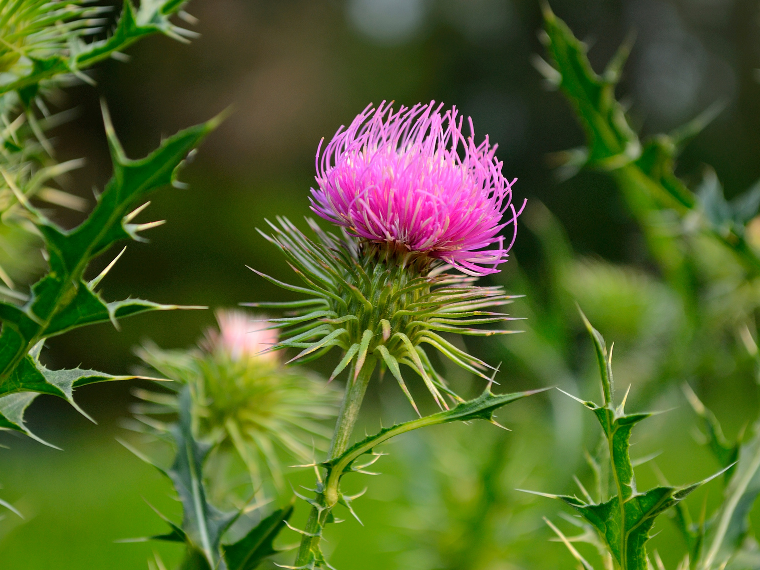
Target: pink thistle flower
x: 239, y: 336
x: 413, y: 181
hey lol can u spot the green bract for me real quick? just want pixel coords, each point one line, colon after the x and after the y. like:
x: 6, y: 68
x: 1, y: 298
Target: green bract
x: 44, y: 39
x: 380, y: 305
x: 34, y: 30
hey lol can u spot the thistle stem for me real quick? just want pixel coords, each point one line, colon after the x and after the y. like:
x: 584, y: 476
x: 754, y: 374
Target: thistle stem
x: 349, y: 412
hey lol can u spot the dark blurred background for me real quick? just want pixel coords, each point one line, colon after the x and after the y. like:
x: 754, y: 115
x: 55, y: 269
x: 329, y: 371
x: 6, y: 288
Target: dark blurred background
x: 293, y: 71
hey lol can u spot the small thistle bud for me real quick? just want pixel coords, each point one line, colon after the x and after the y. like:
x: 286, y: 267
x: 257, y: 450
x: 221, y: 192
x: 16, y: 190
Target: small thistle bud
x: 410, y: 209
x: 240, y: 338
x: 27, y: 34
x: 245, y: 400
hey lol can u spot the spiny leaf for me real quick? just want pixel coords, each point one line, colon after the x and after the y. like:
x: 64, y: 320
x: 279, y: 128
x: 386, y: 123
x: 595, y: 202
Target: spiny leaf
x: 611, y: 140
x: 482, y: 407
x: 63, y: 299
x: 202, y: 522
x: 723, y: 216
x: 328, y: 492
x: 724, y: 452
x: 12, y: 408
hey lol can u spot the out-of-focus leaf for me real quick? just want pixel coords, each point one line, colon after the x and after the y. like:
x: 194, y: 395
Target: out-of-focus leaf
x: 731, y: 525
x: 727, y: 534
x: 645, y: 171
x: 611, y: 141
x: 725, y: 452
x: 251, y: 550
x: 724, y: 216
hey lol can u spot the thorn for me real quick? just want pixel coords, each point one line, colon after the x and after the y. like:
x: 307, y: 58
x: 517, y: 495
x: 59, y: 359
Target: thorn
x: 5, y: 278
x: 189, y: 18
x: 121, y: 57
x: 575, y: 398
x: 303, y: 532
x: 17, y: 192
x: 497, y: 424
x: 133, y: 214
x: 302, y: 466
x: 94, y: 283
x: 628, y: 391
x: 693, y: 399
x: 583, y: 489
x: 149, y: 225
x: 538, y: 493
x: 568, y: 545
x: 492, y: 381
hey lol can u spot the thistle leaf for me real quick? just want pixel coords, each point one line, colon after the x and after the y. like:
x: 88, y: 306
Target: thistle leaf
x: 611, y: 141
x: 482, y: 408
x: 328, y: 489
x: 12, y: 408
x: 63, y: 299
x: 724, y: 452
x: 729, y: 528
x: 202, y: 524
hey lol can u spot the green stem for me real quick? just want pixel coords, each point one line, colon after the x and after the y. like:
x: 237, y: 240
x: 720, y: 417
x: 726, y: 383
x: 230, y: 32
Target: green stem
x: 349, y: 413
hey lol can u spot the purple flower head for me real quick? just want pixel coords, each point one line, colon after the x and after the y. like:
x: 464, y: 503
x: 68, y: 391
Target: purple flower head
x: 412, y: 180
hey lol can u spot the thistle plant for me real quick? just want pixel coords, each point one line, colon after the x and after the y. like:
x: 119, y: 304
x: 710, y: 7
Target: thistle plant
x: 43, y: 45
x: 619, y: 525
x: 645, y: 169
x: 414, y: 198
x: 244, y: 400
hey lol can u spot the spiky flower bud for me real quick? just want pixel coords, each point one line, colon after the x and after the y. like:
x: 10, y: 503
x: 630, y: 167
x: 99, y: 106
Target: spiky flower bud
x: 42, y: 30
x: 410, y: 208
x: 244, y: 400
